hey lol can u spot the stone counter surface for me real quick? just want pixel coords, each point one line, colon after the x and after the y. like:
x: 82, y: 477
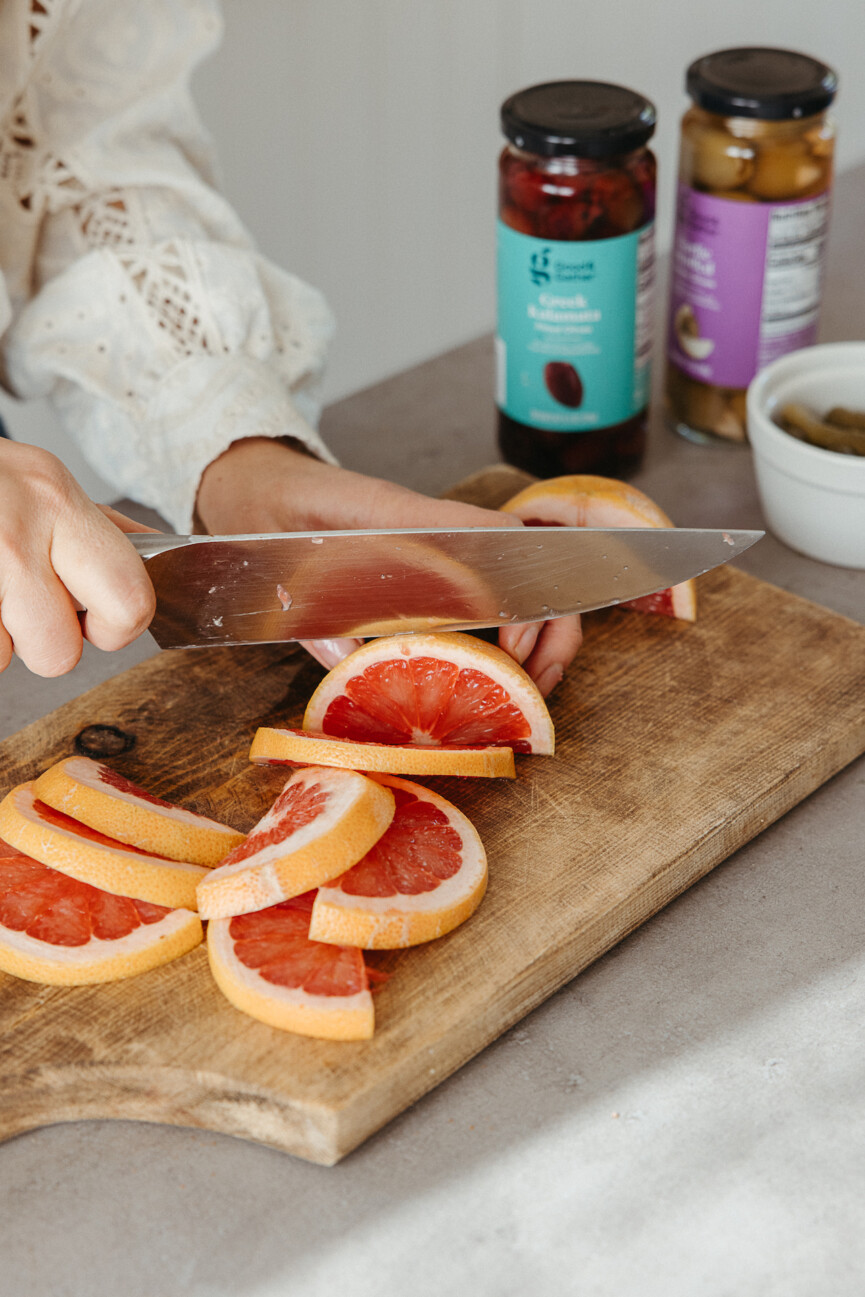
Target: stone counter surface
x: 685, y: 1119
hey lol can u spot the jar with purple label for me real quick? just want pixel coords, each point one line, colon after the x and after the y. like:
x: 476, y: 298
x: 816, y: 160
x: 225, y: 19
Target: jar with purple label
x: 752, y: 213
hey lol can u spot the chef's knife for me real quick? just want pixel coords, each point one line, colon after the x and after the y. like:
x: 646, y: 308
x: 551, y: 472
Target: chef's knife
x: 218, y: 590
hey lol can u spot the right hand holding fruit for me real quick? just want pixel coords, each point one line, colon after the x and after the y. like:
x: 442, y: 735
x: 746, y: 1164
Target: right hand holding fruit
x: 59, y: 550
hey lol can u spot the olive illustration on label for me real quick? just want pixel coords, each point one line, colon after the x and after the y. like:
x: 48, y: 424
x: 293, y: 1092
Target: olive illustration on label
x: 563, y: 383
x: 688, y: 334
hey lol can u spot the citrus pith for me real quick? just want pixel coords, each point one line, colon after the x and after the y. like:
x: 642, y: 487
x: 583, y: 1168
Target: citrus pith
x: 56, y: 839
x: 426, y: 875
x: 322, y: 823
x: 431, y: 690
x: 101, y: 798
x: 266, y: 965
x: 61, y: 932
x: 301, y: 748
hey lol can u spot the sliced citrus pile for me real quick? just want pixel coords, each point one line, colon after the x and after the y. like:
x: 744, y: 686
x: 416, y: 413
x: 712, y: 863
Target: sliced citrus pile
x: 433, y: 690
x: 92, y: 857
x: 303, y: 748
x: 586, y: 501
x: 57, y: 930
x: 105, y: 800
x: 267, y: 966
x: 424, y: 876
x: 321, y: 824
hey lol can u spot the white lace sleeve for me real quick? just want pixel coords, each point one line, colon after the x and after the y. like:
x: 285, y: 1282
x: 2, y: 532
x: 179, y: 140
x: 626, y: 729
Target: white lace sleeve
x: 139, y: 303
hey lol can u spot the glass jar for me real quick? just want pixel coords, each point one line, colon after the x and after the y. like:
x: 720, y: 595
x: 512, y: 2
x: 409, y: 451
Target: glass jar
x: 755, y: 172
x: 575, y: 278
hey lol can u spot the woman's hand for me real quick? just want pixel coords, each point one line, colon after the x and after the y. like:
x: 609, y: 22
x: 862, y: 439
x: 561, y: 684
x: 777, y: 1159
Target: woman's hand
x: 259, y: 485
x: 58, y: 550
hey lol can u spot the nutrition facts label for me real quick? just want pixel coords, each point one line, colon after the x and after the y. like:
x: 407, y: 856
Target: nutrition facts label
x: 793, y: 275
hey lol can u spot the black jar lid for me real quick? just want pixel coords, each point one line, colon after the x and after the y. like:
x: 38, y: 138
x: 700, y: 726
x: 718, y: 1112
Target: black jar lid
x: 585, y: 119
x: 767, y: 83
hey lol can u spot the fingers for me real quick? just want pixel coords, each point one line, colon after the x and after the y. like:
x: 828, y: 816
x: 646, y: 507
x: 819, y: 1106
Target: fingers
x: 105, y: 575
x: 555, y: 647
x: 40, y: 621
x: 330, y: 651
x: 58, y: 550
x: 519, y: 640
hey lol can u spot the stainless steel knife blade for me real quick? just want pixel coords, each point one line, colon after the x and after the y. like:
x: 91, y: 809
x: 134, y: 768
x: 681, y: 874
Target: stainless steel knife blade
x: 221, y: 590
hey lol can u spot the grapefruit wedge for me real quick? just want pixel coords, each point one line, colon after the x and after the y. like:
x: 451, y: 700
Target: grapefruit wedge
x: 321, y: 824
x: 585, y: 501
x: 57, y: 930
x: 101, y: 798
x: 431, y: 690
x: 423, y: 878
x: 58, y: 840
x: 265, y: 965
x: 302, y: 748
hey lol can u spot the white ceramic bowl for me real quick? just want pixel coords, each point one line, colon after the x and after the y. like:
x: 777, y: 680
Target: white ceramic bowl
x: 814, y: 499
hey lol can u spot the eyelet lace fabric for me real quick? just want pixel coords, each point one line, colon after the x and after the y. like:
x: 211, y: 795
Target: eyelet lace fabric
x: 132, y: 294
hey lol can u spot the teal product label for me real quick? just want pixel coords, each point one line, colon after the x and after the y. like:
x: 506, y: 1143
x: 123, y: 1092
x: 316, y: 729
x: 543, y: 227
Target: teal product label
x: 573, y: 350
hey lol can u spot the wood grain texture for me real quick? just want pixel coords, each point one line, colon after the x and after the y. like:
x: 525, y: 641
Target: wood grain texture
x: 676, y: 745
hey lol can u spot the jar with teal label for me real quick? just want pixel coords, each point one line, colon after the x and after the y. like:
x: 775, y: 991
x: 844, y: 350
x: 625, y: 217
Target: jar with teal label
x: 575, y: 278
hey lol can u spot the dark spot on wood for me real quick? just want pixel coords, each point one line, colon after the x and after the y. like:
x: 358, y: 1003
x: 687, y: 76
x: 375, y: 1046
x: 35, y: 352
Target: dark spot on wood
x: 103, y: 741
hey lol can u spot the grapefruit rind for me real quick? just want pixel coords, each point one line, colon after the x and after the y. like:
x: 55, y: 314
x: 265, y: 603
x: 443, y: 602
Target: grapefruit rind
x: 465, y: 652
x: 325, y: 1017
x: 297, y: 747
x: 76, y: 787
x: 147, y: 947
x: 584, y: 500
x: 359, y: 810
x: 394, y: 923
x: 113, y: 867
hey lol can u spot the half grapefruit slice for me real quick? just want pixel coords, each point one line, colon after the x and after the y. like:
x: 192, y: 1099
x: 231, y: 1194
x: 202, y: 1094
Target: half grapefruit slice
x: 423, y: 878
x: 582, y: 500
x: 101, y: 798
x: 265, y: 965
x: 62, y: 932
x: 302, y: 748
x: 80, y: 852
x: 321, y: 824
x: 435, y: 690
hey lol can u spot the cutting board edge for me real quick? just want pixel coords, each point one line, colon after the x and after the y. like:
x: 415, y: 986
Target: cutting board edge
x: 357, y: 1123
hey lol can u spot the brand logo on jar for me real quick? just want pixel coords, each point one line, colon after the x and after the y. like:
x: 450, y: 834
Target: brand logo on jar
x: 539, y: 267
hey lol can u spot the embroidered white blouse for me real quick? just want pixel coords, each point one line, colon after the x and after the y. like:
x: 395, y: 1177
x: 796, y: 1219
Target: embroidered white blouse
x: 133, y: 295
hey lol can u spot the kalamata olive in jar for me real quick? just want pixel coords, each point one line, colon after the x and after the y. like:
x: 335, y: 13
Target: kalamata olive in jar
x: 752, y: 215
x: 575, y: 271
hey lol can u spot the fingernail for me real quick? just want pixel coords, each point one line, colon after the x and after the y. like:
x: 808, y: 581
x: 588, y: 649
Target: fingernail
x: 525, y: 643
x: 331, y: 651
x: 549, y: 678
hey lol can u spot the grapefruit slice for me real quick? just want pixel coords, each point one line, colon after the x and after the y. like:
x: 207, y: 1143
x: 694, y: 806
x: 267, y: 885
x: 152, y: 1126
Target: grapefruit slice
x: 57, y: 930
x: 57, y: 840
x: 585, y: 501
x: 101, y: 798
x: 431, y: 690
x: 301, y: 748
x: 265, y: 965
x: 321, y: 824
x: 423, y: 878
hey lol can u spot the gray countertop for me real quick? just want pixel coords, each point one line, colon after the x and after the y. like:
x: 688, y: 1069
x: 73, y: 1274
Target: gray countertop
x: 684, y: 1118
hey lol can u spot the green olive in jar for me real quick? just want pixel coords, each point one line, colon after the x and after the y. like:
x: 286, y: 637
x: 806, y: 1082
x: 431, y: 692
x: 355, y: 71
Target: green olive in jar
x: 714, y: 158
x: 787, y: 169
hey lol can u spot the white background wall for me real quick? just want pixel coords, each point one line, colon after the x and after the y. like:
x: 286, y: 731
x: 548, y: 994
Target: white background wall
x: 358, y: 139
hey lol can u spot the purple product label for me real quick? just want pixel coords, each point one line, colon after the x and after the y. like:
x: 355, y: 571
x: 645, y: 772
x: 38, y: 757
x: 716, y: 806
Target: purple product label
x: 747, y: 279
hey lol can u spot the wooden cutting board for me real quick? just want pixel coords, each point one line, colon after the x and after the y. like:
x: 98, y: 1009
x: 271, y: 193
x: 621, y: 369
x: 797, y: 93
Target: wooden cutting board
x: 676, y: 745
